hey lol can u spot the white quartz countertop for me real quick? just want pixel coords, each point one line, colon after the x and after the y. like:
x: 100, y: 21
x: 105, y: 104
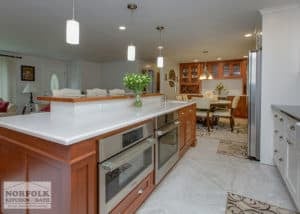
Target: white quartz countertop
x: 68, y: 130
x: 291, y: 110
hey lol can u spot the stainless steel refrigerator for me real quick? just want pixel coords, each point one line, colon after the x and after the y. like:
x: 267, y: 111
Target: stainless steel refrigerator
x: 254, y: 103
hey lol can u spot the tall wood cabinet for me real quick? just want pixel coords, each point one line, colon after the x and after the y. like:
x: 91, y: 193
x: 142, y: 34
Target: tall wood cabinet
x: 227, y: 69
x: 187, y: 119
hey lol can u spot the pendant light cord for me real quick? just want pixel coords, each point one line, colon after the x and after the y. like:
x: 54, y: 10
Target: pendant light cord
x: 131, y: 23
x: 73, y: 11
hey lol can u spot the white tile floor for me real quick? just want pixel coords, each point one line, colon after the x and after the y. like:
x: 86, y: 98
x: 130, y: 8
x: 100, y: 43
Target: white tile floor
x: 201, y: 179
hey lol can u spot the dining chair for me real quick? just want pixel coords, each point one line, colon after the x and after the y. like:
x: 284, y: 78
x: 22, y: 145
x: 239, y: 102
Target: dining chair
x: 66, y: 92
x: 228, y: 113
x: 96, y: 92
x: 203, y: 110
x: 116, y: 91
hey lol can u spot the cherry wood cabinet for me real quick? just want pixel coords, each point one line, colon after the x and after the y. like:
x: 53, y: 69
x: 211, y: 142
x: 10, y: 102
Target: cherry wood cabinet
x: 187, y: 119
x: 227, y: 69
x: 189, y: 78
x: 72, y: 171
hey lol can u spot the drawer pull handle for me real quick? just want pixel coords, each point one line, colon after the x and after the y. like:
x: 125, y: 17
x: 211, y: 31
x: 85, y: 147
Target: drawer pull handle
x: 280, y: 137
x: 292, y: 128
x: 280, y: 159
x: 281, y: 119
x: 275, y: 151
x: 141, y: 191
x: 276, y: 131
x: 275, y: 115
x: 289, y: 142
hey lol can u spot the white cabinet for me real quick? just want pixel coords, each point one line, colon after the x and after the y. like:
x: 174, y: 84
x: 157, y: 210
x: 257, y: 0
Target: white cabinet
x: 286, y: 152
x: 291, y: 169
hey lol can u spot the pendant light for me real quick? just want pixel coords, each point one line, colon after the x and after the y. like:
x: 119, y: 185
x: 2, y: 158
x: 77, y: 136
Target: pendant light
x: 131, y: 47
x: 205, y: 75
x: 72, y: 29
x: 160, y: 58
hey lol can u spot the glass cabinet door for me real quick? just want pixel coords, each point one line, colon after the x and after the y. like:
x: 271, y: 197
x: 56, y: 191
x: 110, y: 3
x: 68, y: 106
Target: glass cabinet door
x: 236, y: 70
x: 215, y: 70
x: 226, y: 70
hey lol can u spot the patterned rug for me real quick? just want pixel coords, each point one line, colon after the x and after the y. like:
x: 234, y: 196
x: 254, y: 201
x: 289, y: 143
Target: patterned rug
x: 230, y: 143
x: 237, y: 204
x: 231, y: 148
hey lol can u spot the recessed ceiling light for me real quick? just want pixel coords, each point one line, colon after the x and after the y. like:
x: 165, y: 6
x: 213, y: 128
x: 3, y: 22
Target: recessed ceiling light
x: 248, y: 35
x: 122, y: 27
x: 219, y: 58
x: 160, y: 47
x: 196, y: 60
x: 245, y: 56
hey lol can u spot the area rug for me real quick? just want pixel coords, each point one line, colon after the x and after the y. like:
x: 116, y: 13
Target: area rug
x: 222, y: 131
x: 231, y: 148
x: 230, y: 143
x: 237, y: 204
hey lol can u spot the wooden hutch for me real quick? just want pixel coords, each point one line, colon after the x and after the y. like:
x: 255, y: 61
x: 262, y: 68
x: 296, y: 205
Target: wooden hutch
x: 226, y: 69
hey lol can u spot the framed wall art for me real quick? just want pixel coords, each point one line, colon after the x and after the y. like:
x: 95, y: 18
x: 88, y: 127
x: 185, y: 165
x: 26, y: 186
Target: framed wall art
x: 27, y: 73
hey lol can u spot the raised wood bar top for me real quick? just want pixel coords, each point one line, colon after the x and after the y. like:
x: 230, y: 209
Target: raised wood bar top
x: 90, y: 99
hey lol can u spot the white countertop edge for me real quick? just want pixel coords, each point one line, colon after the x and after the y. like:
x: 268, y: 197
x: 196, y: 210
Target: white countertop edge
x: 77, y: 139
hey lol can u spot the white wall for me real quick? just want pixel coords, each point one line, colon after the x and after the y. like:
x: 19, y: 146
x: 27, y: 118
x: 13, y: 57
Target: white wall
x: 233, y: 86
x: 280, y: 69
x: 44, y: 67
x: 84, y: 75
x: 164, y: 85
x: 112, y: 72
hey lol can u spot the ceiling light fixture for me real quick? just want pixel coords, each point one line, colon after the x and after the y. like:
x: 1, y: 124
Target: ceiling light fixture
x: 219, y: 58
x: 160, y: 58
x: 245, y: 56
x: 196, y: 60
x: 131, y: 47
x: 247, y: 35
x: 72, y: 29
x: 122, y: 27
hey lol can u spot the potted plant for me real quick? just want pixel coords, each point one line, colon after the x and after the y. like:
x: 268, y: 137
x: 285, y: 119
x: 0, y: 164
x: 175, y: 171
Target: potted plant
x: 136, y: 83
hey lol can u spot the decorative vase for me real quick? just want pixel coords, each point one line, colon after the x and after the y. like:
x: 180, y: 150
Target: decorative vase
x: 138, y: 101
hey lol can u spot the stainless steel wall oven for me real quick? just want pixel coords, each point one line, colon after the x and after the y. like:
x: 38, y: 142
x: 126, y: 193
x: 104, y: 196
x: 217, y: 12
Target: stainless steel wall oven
x: 125, y: 160
x: 167, y: 143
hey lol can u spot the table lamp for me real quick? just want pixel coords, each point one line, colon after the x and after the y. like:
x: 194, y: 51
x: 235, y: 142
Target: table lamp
x: 29, y: 89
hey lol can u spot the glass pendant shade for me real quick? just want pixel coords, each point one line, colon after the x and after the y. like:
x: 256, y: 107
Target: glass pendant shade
x: 203, y: 76
x: 210, y: 77
x: 131, y: 53
x: 72, y: 32
x: 160, y: 62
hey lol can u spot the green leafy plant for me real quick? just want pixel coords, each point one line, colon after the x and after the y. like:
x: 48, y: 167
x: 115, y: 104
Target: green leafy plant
x: 136, y: 82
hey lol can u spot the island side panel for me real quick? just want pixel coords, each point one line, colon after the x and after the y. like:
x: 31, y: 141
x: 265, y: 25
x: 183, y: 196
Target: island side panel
x: 70, y: 169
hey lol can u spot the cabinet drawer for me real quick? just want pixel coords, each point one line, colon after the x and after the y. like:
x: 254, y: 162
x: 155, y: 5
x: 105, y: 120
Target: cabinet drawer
x: 279, y: 119
x: 136, y: 197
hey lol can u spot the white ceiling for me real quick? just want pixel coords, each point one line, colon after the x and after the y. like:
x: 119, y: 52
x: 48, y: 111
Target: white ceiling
x: 38, y: 27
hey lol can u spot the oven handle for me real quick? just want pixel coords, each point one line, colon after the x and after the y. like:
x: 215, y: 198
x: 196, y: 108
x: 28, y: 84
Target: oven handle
x: 167, y: 129
x: 123, y: 158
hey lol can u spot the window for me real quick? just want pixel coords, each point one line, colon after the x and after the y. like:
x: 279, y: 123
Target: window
x: 54, y: 83
x: 4, y: 83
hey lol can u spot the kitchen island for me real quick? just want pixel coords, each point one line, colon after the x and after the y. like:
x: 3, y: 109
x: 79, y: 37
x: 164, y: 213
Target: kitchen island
x: 63, y: 146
